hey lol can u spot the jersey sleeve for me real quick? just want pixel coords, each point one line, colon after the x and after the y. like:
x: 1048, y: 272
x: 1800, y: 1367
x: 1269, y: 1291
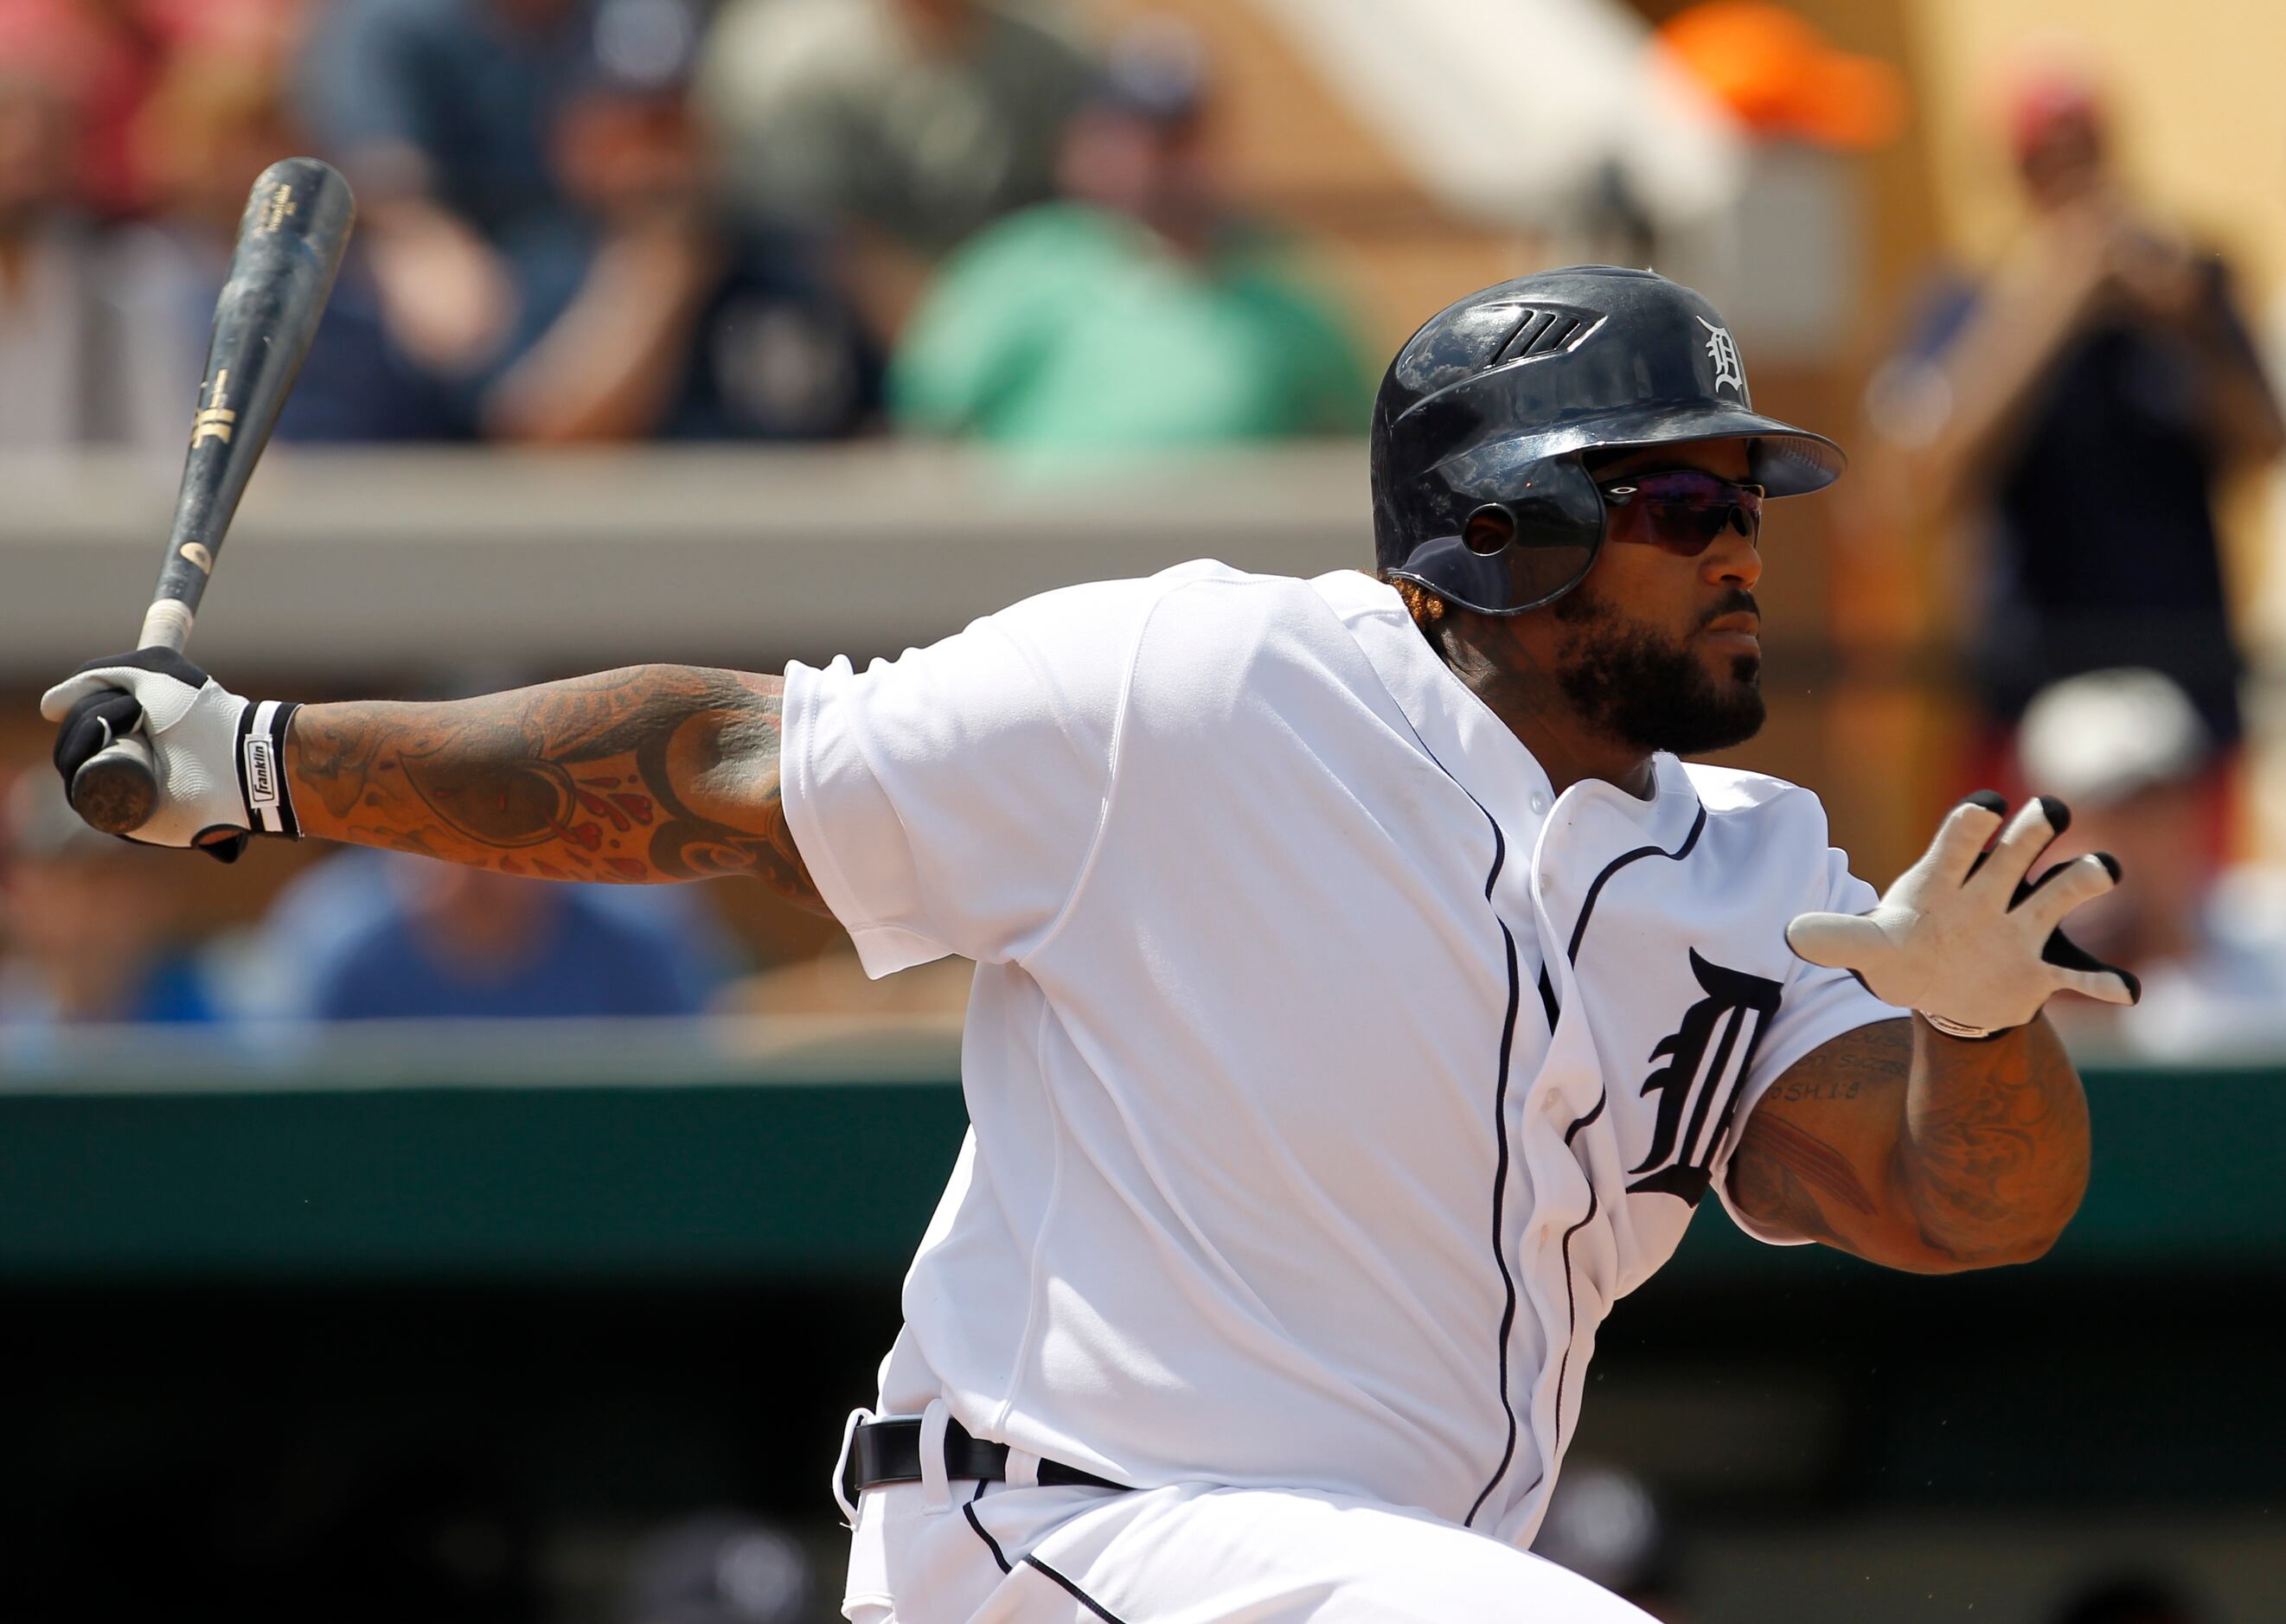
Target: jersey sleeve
x: 948, y: 802
x: 1818, y: 1005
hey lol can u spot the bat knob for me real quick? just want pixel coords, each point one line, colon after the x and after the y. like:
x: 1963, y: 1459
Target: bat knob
x: 117, y: 790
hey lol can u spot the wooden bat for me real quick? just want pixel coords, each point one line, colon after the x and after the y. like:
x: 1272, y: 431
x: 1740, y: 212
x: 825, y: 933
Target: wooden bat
x: 289, y: 245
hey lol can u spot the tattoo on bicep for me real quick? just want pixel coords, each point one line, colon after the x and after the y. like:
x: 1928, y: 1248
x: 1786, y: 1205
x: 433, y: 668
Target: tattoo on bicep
x: 1769, y: 1192
x: 1788, y: 1176
x: 1799, y: 1173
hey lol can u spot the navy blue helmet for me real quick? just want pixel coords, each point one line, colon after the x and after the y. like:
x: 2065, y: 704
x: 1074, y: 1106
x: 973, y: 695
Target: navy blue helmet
x: 1497, y: 400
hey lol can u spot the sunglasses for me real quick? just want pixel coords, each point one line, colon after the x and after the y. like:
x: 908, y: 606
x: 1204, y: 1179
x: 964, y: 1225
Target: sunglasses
x: 1683, y: 511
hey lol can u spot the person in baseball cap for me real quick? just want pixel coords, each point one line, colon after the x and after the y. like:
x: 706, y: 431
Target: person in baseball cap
x: 2027, y: 420
x: 2129, y: 752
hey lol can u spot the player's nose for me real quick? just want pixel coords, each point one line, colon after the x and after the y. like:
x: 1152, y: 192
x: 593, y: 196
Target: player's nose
x: 1732, y: 561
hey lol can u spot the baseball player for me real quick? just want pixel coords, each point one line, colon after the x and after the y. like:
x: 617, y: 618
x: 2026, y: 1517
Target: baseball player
x: 1367, y: 994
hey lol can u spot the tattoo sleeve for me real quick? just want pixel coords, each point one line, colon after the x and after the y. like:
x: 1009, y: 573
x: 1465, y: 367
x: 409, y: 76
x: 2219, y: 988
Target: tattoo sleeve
x: 653, y: 773
x: 1994, y: 1158
x: 1918, y: 1150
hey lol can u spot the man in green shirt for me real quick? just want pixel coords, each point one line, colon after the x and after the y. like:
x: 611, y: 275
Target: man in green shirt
x: 1135, y: 314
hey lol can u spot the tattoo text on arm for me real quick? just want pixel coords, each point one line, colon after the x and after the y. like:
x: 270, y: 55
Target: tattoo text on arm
x: 1786, y: 1177
x: 650, y: 773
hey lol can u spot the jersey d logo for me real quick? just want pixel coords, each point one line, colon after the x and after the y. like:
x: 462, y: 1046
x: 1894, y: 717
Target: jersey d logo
x: 1722, y: 349
x: 1706, y: 1060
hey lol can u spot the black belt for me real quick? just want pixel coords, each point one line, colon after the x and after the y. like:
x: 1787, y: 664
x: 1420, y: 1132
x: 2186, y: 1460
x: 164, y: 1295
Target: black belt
x: 890, y: 1451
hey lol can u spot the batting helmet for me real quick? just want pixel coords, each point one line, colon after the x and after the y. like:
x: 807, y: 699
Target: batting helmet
x: 1494, y: 402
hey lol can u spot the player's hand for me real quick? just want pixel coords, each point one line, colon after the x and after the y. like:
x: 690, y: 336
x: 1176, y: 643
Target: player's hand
x: 1967, y: 938
x: 219, y: 760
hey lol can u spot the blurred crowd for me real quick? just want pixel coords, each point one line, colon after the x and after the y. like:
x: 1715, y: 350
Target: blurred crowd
x: 588, y: 221
x: 640, y: 220
x: 2062, y: 424
x: 596, y: 221
x: 94, y: 938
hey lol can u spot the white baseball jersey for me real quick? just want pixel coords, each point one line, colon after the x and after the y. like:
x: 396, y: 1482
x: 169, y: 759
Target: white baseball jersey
x: 1330, y: 1077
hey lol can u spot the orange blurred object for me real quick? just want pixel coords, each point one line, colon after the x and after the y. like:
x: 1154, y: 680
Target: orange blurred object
x: 1780, y: 77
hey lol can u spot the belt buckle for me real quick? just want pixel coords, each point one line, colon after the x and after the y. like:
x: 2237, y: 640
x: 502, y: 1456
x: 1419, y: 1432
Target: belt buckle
x: 845, y: 1464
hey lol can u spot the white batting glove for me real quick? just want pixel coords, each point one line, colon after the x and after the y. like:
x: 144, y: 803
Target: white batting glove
x: 220, y: 759
x: 1964, y: 938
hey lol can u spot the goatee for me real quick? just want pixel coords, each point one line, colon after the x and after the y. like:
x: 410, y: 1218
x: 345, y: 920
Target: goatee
x: 1646, y: 689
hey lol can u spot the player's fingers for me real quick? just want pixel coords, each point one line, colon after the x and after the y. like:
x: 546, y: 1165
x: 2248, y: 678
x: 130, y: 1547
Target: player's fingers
x: 57, y: 703
x: 1837, y: 941
x: 2037, y: 823
x: 1960, y: 838
x: 2108, y: 985
x: 2065, y: 887
x: 90, y: 726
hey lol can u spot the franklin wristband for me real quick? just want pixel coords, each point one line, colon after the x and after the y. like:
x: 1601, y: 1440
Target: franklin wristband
x: 262, y: 768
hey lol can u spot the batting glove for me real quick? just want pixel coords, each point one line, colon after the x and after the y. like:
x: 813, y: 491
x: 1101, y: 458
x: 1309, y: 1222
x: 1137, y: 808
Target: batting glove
x: 220, y: 759
x: 1963, y: 937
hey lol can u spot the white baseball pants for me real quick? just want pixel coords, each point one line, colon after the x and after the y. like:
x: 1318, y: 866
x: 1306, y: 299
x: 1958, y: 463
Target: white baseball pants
x: 996, y: 1553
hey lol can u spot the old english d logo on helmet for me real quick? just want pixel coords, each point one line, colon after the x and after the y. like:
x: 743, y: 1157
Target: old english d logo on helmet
x: 1722, y: 349
x: 1497, y: 400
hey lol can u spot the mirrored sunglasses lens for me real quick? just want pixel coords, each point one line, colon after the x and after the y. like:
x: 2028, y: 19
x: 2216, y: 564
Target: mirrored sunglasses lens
x: 1685, y: 512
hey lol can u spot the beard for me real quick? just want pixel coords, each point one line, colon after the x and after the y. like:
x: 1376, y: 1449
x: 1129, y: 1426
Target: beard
x: 1648, y: 690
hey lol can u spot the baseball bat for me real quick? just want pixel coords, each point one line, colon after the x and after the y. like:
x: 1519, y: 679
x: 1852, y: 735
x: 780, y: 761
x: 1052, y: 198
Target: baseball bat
x: 290, y: 239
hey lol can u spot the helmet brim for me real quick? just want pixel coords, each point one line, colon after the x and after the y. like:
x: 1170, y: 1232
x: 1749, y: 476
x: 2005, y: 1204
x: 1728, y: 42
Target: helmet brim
x: 1786, y: 461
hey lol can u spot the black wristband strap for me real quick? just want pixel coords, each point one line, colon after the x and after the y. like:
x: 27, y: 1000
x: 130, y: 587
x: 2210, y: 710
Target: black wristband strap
x: 262, y: 768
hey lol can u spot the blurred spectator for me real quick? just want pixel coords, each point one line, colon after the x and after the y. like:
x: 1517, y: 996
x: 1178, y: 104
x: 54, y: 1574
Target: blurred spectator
x: 904, y: 125
x: 465, y: 943
x: 2076, y: 409
x: 721, y: 1567
x: 1603, y: 1524
x: 2131, y: 756
x: 99, y: 57
x: 641, y: 316
x: 338, y: 905
x: 439, y: 111
x: 89, y: 344
x: 87, y: 922
x: 2132, y: 1598
x: 217, y: 117
x: 537, y: 197
x: 1139, y: 312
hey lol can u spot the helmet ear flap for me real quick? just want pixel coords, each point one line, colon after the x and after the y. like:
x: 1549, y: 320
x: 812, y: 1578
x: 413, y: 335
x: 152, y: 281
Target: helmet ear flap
x: 1559, y: 507
x: 1528, y: 546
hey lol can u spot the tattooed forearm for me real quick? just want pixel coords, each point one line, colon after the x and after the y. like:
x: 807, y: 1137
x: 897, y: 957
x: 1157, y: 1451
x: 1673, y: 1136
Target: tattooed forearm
x: 1920, y: 1151
x: 1994, y: 1157
x: 653, y: 773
